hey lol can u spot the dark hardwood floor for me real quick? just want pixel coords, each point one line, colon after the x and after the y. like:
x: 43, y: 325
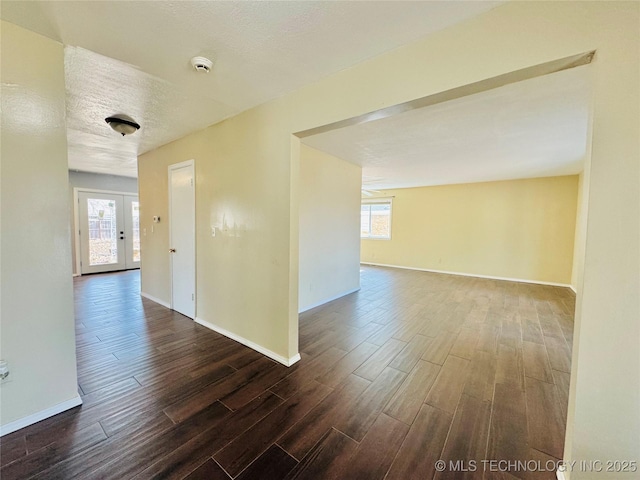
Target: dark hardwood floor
x: 414, y: 368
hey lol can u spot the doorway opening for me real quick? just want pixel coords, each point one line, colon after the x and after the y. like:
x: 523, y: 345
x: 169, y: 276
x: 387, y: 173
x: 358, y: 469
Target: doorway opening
x: 108, y: 231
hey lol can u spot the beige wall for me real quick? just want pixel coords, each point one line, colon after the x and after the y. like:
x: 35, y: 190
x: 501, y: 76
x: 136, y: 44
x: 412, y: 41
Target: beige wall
x: 38, y: 337
x: 520, y: 229
x: 242, y: 272
x: 153, y: 191
x: 329, y: 227
x: 96, y: 181
x: 247, y: 171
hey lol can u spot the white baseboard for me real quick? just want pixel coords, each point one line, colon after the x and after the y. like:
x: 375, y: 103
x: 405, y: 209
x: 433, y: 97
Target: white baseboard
x: 248, y: 343
x: 76, y: 274
x: 39, y: 416
x: 154, y: 299
x: 327, y: 300
x: 490, y: 277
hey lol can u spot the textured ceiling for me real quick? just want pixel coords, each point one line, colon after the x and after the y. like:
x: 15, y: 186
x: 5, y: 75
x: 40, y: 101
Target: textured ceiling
x: 262, y: 50
x: 533, y: 128
x: 99, y: 87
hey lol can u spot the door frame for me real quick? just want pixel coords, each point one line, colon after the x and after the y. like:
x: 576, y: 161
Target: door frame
x: 76, y: 220
x: 176, y: 166
x: 127, y: 205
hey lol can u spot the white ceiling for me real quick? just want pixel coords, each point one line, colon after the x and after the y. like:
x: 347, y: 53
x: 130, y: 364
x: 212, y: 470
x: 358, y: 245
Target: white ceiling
x: 533, y: 128
x: 133, y: 58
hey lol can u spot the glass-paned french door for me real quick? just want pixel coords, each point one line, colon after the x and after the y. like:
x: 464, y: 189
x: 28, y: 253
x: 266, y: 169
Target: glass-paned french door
x: 109, y: 232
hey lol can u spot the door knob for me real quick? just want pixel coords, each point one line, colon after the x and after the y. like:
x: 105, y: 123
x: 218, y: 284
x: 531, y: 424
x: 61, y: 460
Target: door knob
x: 172, y: 250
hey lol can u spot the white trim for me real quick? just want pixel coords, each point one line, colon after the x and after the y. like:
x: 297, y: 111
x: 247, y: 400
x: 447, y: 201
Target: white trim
x: 573, y: 288
x: 490, y: 277
x: 108, y: 192
x: 176, y: 166
x: 327, y: 300
x: 560, y: 475
x: 39, y: 416
x: 155, y: 299
x: 287, y: 362
x: 76, y: 233
x: 377, y: 200
x: 75, y: 275
x: 127, y: 210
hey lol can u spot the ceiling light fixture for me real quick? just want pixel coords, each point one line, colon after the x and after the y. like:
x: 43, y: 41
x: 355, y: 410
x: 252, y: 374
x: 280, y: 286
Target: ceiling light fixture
x: 123, y: 124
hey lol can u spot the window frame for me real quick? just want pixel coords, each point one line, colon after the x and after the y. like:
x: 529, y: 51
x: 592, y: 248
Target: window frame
x: 376, y: 201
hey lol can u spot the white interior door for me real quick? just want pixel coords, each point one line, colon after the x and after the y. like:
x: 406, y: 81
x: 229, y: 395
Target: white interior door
x: 182, y: 251
x: 101, y: 232
x: 132, y: 231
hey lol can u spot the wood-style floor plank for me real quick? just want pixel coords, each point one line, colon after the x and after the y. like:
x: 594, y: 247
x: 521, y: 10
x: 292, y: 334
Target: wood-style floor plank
x: 482, y: 373
x: 370, y: 404
x: 467, y: 440
x: 508, y: 430
x: 562, y: 380
x: 347, y: 365
x: 449, y: 384
x: 274, y: 463
x: 510, y: 367
x: 559, y: 353
x: 12, y: 447
x: 488, y: 338
x: 209, y: 470
x: 536, y: 362
x: 465, y: 343
x: 378, y: 449
x: 329, y: 459
x: 545, y: 418
x: 377, y: 362
x: 531, y: 331
x: 422, y: 445
x: 544, y: 472
x: 411, y: 354
x: 408, y: 400
x: 439, y: 347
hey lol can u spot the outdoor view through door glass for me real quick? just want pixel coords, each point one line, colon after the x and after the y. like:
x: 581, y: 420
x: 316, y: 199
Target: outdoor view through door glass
x: 135, y: 215
x: 103, y: 241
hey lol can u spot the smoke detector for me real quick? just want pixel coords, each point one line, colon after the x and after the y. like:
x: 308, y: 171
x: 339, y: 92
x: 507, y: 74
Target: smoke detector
x: 201, y: 64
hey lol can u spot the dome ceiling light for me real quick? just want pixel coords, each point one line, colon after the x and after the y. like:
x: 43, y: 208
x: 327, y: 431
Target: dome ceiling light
x: 122, y: 124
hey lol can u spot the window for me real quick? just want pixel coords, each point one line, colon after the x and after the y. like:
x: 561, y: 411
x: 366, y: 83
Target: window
x: 375, y: 219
